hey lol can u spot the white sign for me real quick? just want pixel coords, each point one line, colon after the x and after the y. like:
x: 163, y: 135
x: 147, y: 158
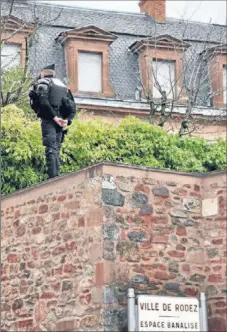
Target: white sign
x: 165, y: 313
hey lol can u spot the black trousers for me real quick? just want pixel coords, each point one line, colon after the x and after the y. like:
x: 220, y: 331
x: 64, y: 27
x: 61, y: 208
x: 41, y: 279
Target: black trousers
x: 52, y: 138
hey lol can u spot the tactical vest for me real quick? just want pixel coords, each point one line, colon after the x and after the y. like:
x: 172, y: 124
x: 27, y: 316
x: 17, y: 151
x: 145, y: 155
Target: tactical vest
x: 57, y: 91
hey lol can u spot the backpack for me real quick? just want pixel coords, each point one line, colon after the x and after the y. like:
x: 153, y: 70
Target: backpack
x: 34, y: 103
x: 33, y: 95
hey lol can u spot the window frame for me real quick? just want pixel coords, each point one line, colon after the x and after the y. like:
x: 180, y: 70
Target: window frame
x: 165, y: 55
x: 164, y: 47
x: 19, y: 53
x: 174, y: 88
x: 217, y: 60
x: 87, y: 39
x: 9, y: 25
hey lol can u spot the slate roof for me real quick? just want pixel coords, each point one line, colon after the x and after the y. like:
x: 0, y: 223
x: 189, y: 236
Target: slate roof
x: 128, y: 27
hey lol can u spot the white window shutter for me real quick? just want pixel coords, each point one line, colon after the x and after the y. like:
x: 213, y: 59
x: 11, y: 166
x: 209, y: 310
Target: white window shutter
x: 89, y: 72
x: 10, y: 56
x: 225, y: 84
x: 163, y: 73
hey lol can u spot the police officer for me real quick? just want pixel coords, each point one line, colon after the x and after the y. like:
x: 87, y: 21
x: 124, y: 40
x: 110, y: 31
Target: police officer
x: 54, y: 104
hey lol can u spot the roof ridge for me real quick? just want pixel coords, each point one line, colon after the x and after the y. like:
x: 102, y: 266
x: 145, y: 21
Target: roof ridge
x: 87, y: 9
x: 123, y: 13
x: 194, y: 22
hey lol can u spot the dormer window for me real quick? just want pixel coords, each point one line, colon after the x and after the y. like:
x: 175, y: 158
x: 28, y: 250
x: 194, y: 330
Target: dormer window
x: 13, y: 40
x: 161, y: 66
x: 217, y: 64
x: 87, y: 60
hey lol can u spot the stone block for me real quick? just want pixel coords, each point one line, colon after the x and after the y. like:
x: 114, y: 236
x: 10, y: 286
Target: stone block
x: 128, y: 250
x: 198, y: 278
x: 97, y: 295
x: 212, y: 252
x: 108, y: 250
x: 178, y: 213
x: 111, y: 232
x: 161, y: 191
x: 173, y: 267
x: 112, y: 197
x: 94, y: 216
x: 146, y: 210
x: 192, y: 205
x: 17, y: 304
x: 66, y: 285
x: 137, y: 236
x: 109, y: 295
x: 209, y: 207
x: 217, y: 324
x: 66, y: 325
x: 211, y: 291
x: 140, y: 279
x: 125, y: 186
x: 114, y: 316
x: 139, y: 200
x: 88, y: 321
x: 142, y: 188
x: 95, y: 252
x: 108, y: 182
x: 195, y: 256
x: 172, y: 287
x: 162, y: 275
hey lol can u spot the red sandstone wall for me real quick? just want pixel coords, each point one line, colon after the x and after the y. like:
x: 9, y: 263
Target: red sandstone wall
x: 161, y: 243
x: 72, y: 247
x: 51, y: 242
x: 215, y: 247
x: 204, y: 129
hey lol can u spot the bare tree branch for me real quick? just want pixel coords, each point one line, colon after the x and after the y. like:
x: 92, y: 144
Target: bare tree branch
x: 16, y: 91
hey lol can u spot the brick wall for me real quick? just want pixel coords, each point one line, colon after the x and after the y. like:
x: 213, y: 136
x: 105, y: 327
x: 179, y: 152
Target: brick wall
x: 72, y: 247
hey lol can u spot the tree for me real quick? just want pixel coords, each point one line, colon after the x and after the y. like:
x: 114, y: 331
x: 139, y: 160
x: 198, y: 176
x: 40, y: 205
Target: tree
x: 165, y: 83
x: 16, y: 80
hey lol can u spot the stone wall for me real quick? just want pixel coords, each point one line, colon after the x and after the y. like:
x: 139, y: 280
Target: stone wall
x: 204, y: 128
x: 72, y: 247
x: 51, y: 241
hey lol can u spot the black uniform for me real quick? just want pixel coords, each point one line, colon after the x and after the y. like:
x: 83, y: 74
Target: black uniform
x: 50, y: 98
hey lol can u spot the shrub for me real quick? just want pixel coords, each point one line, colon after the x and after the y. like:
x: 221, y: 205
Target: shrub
x: 22, y: 156
x: 14, y: 89
x: 88, y: 142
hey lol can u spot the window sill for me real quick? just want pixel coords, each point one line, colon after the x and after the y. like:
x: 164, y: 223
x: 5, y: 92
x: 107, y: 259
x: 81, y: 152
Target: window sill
x: 94, y: 94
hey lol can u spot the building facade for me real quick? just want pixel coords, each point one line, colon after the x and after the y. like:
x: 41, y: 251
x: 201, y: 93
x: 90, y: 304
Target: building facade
x: 116, y: 62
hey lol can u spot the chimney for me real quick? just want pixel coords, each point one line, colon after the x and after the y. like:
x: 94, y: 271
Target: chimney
x: 155, y: 8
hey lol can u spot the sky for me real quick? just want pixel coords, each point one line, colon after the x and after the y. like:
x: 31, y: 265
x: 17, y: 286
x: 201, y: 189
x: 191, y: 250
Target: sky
x: 201, y: 11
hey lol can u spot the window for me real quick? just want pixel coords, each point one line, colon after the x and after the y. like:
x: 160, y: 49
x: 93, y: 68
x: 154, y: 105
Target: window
x: 89, y: 72
x: 10, y: 56
x: 225, y: 84
x: 163, y: 75
x: 87, y: 60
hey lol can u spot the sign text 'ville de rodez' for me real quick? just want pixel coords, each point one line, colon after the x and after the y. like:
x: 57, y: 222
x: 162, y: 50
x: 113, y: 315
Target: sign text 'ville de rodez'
x: 163, y: 313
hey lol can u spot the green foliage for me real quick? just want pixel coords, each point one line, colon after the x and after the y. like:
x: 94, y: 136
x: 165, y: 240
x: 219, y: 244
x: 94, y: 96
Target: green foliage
x: 22, y: 156
x: 13, y: 80
x: 88, y: 142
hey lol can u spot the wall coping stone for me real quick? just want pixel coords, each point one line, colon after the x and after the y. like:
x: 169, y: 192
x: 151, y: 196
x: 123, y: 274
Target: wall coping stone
x: 97, y: 169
